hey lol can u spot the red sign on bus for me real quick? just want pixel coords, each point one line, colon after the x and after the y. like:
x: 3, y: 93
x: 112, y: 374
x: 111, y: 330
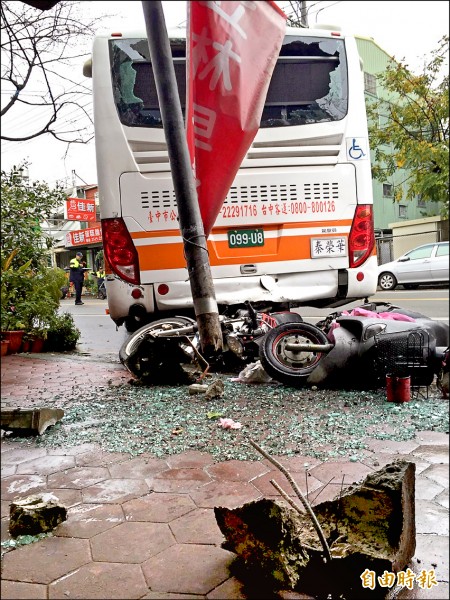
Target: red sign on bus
x: 80, y: 209
x: 232, y: 51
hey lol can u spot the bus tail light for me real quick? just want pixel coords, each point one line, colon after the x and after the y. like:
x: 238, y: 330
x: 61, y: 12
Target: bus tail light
x: 361, y: 240
x: 120, y: 252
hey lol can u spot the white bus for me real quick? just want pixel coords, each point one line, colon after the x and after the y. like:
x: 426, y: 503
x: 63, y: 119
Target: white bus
x: 296, y: 228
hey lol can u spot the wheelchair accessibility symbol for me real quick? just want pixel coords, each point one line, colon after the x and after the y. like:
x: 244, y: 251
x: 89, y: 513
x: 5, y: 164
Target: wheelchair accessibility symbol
x: 355, y: 148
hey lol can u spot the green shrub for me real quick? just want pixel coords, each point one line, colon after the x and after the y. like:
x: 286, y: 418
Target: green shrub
x: 62, y: 334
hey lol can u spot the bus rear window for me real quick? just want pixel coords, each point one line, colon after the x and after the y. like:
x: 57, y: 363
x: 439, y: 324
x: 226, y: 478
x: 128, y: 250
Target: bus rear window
x: 309, y: 83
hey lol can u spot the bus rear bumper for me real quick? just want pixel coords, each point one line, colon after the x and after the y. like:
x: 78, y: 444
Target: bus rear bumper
x: 319, y: 288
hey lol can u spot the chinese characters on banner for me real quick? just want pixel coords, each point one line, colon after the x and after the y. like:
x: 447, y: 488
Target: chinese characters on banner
x: 232, y: 49
x: 84, y: 236
x: 79, y: 209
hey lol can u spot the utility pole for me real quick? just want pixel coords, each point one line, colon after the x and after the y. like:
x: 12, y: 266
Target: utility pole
x: 190, y: 221
x: 74, y: 184
x: 303, y: 14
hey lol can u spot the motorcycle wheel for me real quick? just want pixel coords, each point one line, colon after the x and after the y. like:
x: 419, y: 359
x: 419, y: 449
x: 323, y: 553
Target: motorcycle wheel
x: 135, y: 353
x: 286, y: 366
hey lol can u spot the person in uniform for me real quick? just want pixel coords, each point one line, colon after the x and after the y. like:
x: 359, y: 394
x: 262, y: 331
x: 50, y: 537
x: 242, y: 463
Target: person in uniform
x: 77, y: 266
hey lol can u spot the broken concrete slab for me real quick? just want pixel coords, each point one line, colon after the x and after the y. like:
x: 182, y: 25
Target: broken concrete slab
x: 35, y: 514
x: 197, y: 388
x: 215, y: 389
x: 34, y: 419
x: 370, y: 525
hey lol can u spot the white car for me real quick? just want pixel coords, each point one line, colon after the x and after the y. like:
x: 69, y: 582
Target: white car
x: 427, y: 264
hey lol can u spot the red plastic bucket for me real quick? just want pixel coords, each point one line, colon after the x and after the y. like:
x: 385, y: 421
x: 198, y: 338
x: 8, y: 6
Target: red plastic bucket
x: 398, y: 389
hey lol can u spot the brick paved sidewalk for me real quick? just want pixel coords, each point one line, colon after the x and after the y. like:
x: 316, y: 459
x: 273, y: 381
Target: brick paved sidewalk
x: 144, y: 527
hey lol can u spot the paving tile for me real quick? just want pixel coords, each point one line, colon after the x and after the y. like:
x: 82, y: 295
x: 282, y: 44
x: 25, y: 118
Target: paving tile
x: 237, y: 470
x: 178, y: 480
x: 5, y: 444
x: 432, y: 551
x: 169, y: 596
x: 267, y: 489
x: 73, y: 450
x: 131, y: 542
x: 8, y: 470
x: 100, y: 458
x: 115, y: 491
x: 343, y: 472
x: 138, y: 468
x: 67, y: 497
x: 19, y: 455
x: 442, y: 499
x: 46, y: 465
x: 5, y: 509
x: 229, y: 494
x: 13, y: 590
x: 432, y: 437
x: 231, y: 589
x: 437, y: 473
x: 439, y: 592
x: 199, y: 526
x: 78, y: 477
x: 426, y: 489
x: 296, y: 463
x: 189, y: 460
x: 433, y: 454
x: 87, y: 520
x: 5, y: 530
x: 188, y: 569
x: 99, y: 581
x: 45, y: 560
x: 17, y: 486
x: 391, y: 446
x: 377, y: 461
x: 158, y: 508
x: 431, y: 518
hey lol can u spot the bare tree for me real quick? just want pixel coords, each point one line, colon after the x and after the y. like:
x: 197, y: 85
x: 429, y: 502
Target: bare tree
x: 38, y: 54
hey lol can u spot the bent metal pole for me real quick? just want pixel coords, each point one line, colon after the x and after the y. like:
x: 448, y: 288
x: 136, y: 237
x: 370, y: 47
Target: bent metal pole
x: 190, y: 222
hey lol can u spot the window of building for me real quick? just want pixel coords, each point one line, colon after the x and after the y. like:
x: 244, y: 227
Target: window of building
x: 388, y: 190
x: 421, y: 203
x: 370, y: 83
x: 402, y: 211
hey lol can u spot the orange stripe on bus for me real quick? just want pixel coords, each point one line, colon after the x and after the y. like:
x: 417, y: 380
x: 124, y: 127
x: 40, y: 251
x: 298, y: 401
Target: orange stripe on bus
x: 171, y: 256
x: 137, y: 235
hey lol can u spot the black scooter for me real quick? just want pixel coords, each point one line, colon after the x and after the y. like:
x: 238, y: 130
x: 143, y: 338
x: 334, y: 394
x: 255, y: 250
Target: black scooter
x: 356, y: 352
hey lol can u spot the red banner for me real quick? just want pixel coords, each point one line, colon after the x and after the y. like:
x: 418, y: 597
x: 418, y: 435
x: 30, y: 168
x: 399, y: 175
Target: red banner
x: 80, y: 209
x: 81, y: 237
x: 232, y: 51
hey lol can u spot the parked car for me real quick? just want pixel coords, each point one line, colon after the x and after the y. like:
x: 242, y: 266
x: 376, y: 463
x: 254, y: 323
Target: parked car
x: 427, y: 264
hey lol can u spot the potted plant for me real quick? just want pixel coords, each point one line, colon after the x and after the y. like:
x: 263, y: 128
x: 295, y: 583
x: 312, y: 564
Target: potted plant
x: 13, y: 328
x: 14, y: 285
x: 62, y: 334
x: 4, y: 346
x: 42, y: 304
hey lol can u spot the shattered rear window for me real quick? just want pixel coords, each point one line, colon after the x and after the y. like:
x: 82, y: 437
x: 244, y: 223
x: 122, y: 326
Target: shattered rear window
x: 309, y: 83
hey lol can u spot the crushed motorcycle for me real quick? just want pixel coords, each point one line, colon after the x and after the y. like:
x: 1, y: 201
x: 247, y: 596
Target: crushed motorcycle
x: 355, y: 349
x: 169, y: 349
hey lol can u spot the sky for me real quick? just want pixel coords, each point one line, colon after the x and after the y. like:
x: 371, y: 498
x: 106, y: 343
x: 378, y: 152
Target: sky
x: 406, y: 31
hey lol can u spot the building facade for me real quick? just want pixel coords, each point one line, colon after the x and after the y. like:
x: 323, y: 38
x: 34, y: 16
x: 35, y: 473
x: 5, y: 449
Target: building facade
x: 390, y: 215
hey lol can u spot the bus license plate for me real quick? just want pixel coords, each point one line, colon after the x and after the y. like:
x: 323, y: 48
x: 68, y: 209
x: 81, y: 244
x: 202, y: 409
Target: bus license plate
x: 245, y: 238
